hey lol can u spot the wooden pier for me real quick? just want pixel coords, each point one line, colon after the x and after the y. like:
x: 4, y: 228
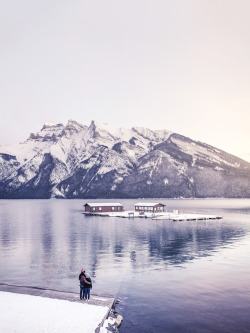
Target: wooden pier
x: 97, y: 300
x: 187, y: 217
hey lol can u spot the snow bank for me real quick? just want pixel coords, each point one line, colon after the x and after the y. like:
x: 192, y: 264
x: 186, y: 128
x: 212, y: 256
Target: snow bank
x: 25, y: 313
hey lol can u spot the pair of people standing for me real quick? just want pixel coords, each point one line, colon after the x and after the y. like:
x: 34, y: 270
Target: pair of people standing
x: 85, y: 285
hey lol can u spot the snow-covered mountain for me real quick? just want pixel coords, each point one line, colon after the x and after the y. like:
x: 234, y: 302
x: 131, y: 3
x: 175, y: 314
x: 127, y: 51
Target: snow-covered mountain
x: 98, y: 161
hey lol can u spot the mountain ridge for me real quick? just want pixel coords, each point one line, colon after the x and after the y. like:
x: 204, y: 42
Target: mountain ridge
x: 101, y: 161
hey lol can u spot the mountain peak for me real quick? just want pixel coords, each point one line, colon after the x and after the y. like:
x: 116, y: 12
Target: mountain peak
x: 74, y: 127
x: 72, y: 122
x: 51, y: 125
x: 77, y: 161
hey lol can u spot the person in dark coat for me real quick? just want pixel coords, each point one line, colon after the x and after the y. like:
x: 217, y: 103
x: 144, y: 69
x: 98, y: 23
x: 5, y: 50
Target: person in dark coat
x: 83, y: 282
x: 87, y: 287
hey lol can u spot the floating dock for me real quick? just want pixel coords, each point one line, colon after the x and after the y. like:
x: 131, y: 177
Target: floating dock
x: 175, y: 216
x: 153, y: 210
x: 186, y: 217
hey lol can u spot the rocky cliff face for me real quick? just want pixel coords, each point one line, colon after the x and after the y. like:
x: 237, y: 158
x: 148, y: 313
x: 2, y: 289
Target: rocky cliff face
x: 77, y: 161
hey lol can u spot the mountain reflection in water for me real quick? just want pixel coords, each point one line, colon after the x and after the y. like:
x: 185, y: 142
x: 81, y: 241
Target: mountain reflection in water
x: 45, y: 243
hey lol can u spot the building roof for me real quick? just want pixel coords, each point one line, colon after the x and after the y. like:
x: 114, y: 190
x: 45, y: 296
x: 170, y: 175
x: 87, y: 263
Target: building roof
x: 103, y: 204
x: 148, y: 204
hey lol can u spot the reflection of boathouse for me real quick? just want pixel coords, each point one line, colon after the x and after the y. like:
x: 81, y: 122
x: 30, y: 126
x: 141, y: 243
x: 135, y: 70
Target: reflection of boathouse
x: 103, y: 207
x: 149, y: 207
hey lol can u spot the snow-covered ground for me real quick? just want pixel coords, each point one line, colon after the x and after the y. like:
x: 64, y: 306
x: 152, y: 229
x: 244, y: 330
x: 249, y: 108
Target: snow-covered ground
x: 175, y: 216
x: 25, y: 313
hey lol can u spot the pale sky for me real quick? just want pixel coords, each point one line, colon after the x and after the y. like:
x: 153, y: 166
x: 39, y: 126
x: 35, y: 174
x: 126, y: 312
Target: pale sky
x: 178, y: 65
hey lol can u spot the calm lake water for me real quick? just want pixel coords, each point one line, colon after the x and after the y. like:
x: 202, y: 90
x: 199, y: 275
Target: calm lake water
x: 187, y: 276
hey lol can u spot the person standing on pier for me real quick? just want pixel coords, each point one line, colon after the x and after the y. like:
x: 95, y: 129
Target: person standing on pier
x: 83, y: 283
x: 87, y: 287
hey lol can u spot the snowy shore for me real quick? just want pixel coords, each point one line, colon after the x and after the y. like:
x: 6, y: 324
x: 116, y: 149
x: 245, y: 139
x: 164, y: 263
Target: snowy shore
x: 27, y: 313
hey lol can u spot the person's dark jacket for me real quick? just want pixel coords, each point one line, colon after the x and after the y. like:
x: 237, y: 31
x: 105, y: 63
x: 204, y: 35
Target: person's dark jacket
x: 81, y: 276
x: 86, y: 285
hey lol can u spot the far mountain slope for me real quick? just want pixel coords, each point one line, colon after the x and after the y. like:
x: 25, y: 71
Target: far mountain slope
x: 77, y: 161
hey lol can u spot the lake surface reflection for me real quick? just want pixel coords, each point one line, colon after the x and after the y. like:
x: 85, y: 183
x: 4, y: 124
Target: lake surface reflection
x: 187, y: 276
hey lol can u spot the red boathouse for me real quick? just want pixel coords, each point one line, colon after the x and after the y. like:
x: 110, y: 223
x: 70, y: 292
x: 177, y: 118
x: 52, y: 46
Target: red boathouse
x: 149, y: 207
x: 102, y: 207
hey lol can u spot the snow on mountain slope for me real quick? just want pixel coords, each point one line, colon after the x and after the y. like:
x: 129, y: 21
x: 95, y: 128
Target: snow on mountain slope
x: 198, y: 150
x: 74, y: 161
